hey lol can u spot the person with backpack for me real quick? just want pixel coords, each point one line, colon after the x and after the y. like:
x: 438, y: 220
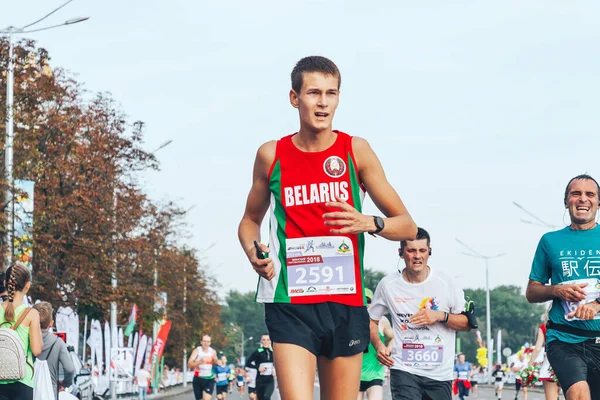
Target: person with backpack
x: 55, y: 350
x: 20, y: 334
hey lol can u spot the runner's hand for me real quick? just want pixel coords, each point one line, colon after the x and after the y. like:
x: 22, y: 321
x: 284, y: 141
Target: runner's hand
x: 572, y: 293
x: 383, y: 356
x: 348, y: 220
x: 264, y: 268
x: 426, y: 317
x: 585, y: 311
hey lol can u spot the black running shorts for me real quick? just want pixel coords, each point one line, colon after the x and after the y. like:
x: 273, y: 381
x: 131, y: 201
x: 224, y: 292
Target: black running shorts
x: 222, y: 389
x: 365, y: 385
x: 325, y: 329
x: 251, y: 390
x: 202, y: 385
x: 407, y: 386
x: 576, y: 362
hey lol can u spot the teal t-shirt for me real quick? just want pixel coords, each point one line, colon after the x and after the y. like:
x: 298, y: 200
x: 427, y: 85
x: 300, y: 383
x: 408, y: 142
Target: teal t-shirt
x: 572, y: 257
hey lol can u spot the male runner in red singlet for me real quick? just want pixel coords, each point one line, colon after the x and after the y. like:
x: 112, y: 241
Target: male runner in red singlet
x: 311, y: 281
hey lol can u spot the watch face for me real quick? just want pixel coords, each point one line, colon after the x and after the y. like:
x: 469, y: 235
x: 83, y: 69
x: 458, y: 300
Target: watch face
x: 379, y: 222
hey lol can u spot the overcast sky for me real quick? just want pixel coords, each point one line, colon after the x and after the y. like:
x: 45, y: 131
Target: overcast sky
x: 469, y: 105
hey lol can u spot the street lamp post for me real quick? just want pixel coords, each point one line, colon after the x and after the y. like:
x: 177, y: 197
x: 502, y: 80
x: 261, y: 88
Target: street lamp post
x: 537, y: 221
x: 488, y: 323
x: 11, y: 31
x: 243, y: 341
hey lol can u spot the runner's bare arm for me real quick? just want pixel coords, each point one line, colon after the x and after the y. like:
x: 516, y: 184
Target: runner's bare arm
x: 399, y: 224
x: 457, y: 322
x: 538, y: 292
x: 35, y: 333
x: 538, y: 347
x: 387, y: 330
x: 193, y: 364
x: 383, y: 355
x: 256, y: 208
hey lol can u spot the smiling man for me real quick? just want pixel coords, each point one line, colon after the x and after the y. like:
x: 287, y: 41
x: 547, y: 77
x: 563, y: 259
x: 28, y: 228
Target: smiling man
x: 570, y: 260
x: 312, y: 281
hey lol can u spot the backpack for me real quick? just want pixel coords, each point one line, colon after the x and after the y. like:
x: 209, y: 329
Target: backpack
x: 13, y: 359
x: 42, y: 380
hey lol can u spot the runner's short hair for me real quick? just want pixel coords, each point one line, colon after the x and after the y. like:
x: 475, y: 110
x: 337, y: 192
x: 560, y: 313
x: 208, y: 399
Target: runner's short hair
x: 582, y: 177
x: 45, y: 310
x: 421, y: 234
x: 314, y: 64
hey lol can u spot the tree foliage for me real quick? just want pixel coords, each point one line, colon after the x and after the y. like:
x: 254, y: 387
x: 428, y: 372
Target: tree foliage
x: 91, y: 219
x: 242, y: 313
x: 510, y: 312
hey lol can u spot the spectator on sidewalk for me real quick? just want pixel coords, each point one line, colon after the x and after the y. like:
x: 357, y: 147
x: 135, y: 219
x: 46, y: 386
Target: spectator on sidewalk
x: 142, y: 378
x: 54, y: 350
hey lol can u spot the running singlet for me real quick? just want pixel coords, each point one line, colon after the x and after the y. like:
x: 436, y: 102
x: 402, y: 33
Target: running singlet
x: 462, y: 371
x: 222, y: 375
x: 251, y: 376
x: 205, y: 370
x: 569, y: 257
x: 312, y: 265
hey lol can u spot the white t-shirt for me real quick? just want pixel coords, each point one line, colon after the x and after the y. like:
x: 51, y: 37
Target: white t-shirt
x: 519, y: 366
x: 143, y: 376
x: 426, y: 351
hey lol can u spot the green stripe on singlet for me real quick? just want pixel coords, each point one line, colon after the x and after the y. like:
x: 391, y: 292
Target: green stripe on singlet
x: 357, y: 200
x: 281, y: 293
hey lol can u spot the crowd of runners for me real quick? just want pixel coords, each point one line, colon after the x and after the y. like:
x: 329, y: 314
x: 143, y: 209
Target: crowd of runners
x: 212, y: 374
x: 321, y: 317
x: 317, y: 310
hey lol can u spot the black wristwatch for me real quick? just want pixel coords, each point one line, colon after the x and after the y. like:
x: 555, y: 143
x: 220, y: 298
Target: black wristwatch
x: 379, y: 224
x: 598, y: 300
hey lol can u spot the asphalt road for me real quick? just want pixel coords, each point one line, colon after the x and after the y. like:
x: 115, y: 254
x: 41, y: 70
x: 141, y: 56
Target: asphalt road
x: 483, y: 393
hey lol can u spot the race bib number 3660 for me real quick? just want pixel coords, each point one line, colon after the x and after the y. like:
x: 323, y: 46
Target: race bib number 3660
x: 320, y: 265
x: 422, y: 355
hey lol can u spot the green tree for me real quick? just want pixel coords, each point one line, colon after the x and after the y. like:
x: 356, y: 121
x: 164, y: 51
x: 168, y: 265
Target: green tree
x: 242, y: 313
x: 372, y: 278
x: 510, y: 312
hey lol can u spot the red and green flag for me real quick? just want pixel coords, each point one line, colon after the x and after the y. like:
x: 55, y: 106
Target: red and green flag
x: 132, y: 321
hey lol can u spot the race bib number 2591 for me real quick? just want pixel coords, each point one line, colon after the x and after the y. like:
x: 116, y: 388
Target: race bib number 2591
x: 320, y: 265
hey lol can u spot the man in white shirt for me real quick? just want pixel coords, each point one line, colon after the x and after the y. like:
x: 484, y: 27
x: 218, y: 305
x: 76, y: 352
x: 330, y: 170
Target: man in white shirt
x: 517, y: 367
x: 142, y: 377
x: 426, y: 308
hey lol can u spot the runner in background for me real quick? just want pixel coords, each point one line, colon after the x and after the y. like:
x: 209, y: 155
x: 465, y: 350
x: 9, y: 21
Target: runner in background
x: 551, y: 388
x: 373, y: 372
x: 262, y: 359
x: 251, y: 373
x: 222, y: 374
x: 202, y: 360
x: 475, y: 380
x: 519, y: 365
x: 241, y: 378
x: 463, y: 371
x: 427, y: 309
x: 499, y: 378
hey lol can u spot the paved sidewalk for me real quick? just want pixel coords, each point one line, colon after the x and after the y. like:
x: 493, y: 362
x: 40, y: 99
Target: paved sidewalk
x: 172, y: 391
